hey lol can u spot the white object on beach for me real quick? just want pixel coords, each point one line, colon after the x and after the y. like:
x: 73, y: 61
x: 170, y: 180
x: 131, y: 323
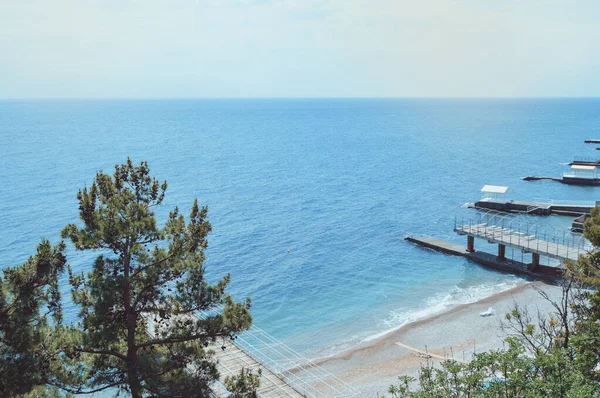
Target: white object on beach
x: 490, y: 311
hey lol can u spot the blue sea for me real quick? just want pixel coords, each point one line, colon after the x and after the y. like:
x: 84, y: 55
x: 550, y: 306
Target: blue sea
x: 310, y: 199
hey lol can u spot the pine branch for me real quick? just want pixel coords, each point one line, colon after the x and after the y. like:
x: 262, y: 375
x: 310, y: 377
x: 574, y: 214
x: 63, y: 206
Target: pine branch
x: 173, y: 340
x: 102, y: 352
x: 80, y: 391
x: 145, y: 267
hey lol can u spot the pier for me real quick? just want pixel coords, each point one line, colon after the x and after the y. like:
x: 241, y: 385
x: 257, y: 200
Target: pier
x: 581, y: 173
x: 505, y: 231
x: 539, y: 178
x: 579, y: 223
x: 493, y: 198
x: 585, y: 161
x: 592, y: 141
x: 561, y: 250
x: 564, y: 208
x: 542, y: 272
x: 569, y: 180
x: 438, y: 245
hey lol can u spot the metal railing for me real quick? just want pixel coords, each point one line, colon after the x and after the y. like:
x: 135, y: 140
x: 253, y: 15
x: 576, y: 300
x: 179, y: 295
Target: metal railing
x: 506, y: 229
x: 586, y: 159
x: 532, y: 208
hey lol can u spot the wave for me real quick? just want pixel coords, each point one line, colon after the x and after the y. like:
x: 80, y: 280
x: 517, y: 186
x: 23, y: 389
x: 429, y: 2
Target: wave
x: 438, y: 304
x: 441, y: 303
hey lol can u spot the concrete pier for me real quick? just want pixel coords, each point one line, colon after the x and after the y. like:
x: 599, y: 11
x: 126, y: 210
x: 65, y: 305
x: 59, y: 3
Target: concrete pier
x: 535, y: 261
x: 438, y: 245
x: 537, y: 178
x: 501, y: 252
x: 585, y: 163
x: 470, y: 244
x: 578, y: 223
x: 567, y: 180
x: 545, y: 273
x: 564, y: 208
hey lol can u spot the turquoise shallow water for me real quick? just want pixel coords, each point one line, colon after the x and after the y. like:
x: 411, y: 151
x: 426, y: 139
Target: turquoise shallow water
x: 337, y: 183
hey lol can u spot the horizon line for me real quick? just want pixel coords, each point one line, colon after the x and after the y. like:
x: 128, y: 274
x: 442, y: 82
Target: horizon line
x: 291, y: 98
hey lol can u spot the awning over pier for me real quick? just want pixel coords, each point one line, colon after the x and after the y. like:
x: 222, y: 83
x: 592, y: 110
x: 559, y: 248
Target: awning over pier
x: 581, y: 167
x: 494, y: 189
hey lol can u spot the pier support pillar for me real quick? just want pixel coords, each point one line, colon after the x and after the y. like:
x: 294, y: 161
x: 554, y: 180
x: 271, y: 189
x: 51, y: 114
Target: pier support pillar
x: 501, y: 252
x: 535, y: 260
x: 470, y: 243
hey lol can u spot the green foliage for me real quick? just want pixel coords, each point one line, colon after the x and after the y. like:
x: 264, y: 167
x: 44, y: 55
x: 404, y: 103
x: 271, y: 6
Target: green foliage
x: 502, y: 373
x: 137, y: 331
x: 591, y: 227
x: 29, y: 307
x: 243, y: 385
x: 402, y: 390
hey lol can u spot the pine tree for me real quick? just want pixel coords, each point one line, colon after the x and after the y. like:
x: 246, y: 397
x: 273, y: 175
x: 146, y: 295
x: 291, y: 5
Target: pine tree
x: 137, y: 329
x: 29, y: 310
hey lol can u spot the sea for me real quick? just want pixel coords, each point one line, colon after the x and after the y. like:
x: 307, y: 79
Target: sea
x: 310, y: 199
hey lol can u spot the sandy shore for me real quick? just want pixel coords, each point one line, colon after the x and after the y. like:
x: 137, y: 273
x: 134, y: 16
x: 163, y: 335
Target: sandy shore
x: 457, y: 333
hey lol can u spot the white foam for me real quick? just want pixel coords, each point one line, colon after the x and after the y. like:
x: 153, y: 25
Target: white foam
x: 435, y: 305
x: 438, y: 304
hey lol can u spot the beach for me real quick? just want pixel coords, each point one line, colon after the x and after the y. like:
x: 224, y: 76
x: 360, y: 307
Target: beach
x: 457, y: 333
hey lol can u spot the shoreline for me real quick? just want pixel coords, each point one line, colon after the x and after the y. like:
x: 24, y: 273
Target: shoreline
x: 376, y: 336
x: 456, y: 333
x: 414, y: 324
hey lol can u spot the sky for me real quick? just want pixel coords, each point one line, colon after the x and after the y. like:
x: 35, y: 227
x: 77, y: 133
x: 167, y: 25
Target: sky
x: 299, y: 48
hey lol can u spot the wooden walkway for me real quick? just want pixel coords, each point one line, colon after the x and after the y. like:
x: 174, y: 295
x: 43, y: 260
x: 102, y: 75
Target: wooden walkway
x: 232, y: 360
x: 527, y: 243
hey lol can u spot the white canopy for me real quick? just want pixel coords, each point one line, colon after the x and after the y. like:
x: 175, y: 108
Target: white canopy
x: 582, y: 167
x: 494, y: 189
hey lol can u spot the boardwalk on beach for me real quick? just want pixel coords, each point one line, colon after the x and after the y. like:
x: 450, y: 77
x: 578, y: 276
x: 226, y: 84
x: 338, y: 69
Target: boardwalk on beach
x: 230, y: 362
x: 284, y: 372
